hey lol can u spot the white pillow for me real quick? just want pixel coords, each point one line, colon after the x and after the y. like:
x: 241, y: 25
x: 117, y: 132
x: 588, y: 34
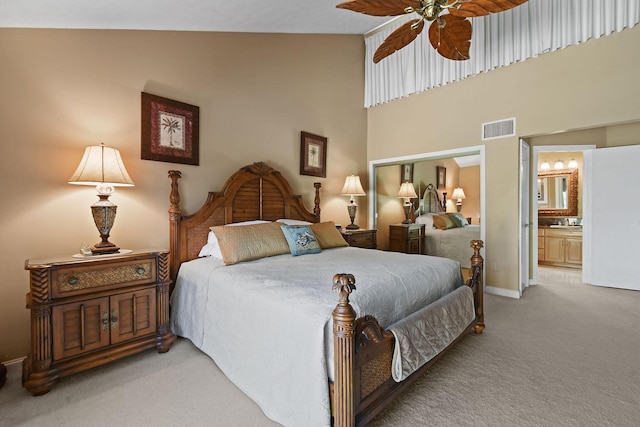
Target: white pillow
x: 287, y: 221
x: 426, y: 219
x: 213, y: 249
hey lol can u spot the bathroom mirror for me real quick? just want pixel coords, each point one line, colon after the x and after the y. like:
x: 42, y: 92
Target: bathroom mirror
x: 558, y: 192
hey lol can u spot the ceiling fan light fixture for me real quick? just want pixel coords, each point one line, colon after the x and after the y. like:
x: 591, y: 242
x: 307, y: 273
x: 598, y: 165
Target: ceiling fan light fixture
x: 455, y: 41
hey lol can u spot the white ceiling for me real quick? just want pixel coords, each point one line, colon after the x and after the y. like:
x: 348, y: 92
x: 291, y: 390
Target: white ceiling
x: 258, y: 16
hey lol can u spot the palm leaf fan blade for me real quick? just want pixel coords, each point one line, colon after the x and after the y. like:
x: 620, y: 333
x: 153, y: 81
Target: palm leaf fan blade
x: 472, y: 8
x: 451, y: 37
x: 380, y: 7
x: 401, y: 37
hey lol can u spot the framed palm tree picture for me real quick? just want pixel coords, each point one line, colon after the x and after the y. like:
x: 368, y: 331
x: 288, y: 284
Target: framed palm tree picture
x: 170, y: 130
x: 313, y: 155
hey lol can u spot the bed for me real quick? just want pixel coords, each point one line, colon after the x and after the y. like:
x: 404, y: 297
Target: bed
x: 274, y: 324
x: 449, y: 239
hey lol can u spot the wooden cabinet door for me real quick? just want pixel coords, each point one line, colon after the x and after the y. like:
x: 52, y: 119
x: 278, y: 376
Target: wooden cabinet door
x: 414, y: 246
x: 80, y: 326
x: 132, y: 315
x: 554, y: 249
x: 573, y: 250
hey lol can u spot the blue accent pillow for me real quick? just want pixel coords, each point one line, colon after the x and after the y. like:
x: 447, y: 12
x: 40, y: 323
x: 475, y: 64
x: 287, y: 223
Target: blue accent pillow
x: 301, y: 239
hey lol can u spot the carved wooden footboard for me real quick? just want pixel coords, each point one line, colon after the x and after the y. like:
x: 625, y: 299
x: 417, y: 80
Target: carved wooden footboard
x: 363, y: 352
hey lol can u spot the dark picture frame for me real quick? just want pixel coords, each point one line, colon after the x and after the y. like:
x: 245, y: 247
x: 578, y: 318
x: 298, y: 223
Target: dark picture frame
x: 406, y: 173
x: 441, y: 177
x: 313, y: 155
x: 170, y: 130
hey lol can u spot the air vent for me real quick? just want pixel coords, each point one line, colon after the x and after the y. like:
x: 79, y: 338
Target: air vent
x: 499, y: 129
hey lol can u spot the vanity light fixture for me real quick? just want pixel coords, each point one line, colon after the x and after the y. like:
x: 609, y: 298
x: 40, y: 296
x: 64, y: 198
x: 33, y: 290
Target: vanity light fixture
x: 407, y: 192
x: 102, y: 166
x: 458, y: 193
x: 545, y: 166
x: 352, y: 187
x: 558, y: 165
x: 573, y: 164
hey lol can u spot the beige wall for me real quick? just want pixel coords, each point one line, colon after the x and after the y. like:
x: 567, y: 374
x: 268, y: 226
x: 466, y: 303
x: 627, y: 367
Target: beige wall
x: 586, y: 86
x: 65, y: 89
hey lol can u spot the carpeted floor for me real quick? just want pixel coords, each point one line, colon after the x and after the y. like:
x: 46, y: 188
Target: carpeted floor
x: 566, y: 354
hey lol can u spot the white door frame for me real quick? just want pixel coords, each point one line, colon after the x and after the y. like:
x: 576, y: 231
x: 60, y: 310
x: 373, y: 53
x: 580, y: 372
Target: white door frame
x: 524, y: 216
x: 586, y: 196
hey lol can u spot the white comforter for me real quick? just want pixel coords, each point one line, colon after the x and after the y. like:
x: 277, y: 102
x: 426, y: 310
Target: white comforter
x: 266, y: 322
x: 454, y: 243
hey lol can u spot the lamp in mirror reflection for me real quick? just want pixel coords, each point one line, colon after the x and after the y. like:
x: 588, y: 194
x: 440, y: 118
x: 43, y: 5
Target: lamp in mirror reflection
x: 407, y: 192
x: 458, y: 194
x: 545, y: 166
x: 558, y: 165
x: 103, y: 167
x: 353, y: 188
x: 573, y: 164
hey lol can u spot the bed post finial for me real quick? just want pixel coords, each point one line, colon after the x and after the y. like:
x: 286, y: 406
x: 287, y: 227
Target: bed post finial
x: 344, y: 317
x: 478, y: 262
x: 174, y: 225
x: 316, y: 201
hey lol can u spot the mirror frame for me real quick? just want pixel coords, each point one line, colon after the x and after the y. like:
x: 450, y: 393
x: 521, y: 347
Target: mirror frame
x: 572, y: 209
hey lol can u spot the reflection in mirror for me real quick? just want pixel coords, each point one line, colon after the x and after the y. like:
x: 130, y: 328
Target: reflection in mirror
x: 558, y: 192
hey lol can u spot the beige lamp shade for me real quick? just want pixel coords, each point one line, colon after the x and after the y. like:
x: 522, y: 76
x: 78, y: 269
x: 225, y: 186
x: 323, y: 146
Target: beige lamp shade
x: 407, y: 191
x: 458, y: 193
x: 101, y: 165
x: 353, y: 187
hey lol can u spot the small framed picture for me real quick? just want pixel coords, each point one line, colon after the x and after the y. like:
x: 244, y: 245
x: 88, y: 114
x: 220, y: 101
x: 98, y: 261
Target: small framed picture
x: 406, y: 172
x: 441, y: 177
x: 170, y: 130
x: 313, y: 155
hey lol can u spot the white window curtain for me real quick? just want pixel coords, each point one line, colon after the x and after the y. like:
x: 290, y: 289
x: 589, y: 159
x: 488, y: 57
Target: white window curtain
x: 533, y: 28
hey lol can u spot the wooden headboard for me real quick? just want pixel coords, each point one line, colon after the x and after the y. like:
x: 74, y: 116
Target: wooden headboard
x: 431, y: 200
x: 255, y: 191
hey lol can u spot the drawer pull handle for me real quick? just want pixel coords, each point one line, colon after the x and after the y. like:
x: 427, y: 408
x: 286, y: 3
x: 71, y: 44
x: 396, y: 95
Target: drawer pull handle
x: 105, y: 321
x: 139, y: 270
x: 73, y: 280
x: 114, y: 318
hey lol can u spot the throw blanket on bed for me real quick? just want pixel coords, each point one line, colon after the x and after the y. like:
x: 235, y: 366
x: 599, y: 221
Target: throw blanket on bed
x: 267, y: 323
x: 423, y: 335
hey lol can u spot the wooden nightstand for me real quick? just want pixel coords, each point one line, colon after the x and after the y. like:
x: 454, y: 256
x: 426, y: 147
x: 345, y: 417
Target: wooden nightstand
x: 407, y: 238
x: 86, y: 312
x: 367, y: 239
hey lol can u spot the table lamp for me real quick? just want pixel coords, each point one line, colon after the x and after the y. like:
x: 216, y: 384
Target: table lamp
x: 458, y: 193
x: 102, y: 166
x: 407, y: 192
x: 352, y: 187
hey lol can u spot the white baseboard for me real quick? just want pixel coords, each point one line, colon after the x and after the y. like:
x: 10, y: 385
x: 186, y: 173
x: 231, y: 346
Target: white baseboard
x: 502, y: 292
x: 14, y: 365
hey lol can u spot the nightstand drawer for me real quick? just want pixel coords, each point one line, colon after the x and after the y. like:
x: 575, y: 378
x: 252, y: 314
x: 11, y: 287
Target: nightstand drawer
x: 361, y: 238
x: 81, y: 280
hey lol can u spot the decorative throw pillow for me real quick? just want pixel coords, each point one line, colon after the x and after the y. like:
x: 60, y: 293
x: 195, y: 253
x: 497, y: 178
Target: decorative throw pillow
x: 328, y: 235
x: 459, y: 219
x: 301, y: 239
x: 443, y: 222
x: 213, y: 249
x: 250, y: 242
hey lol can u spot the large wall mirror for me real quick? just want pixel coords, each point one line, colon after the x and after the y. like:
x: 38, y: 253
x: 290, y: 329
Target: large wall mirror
x: 558, y: 192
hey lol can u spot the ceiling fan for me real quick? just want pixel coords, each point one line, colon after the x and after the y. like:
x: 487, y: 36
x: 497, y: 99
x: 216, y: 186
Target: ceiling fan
x: 449, y: 33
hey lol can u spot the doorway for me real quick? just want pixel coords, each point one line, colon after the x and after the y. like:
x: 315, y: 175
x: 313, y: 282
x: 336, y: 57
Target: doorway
x: 555, y: 242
